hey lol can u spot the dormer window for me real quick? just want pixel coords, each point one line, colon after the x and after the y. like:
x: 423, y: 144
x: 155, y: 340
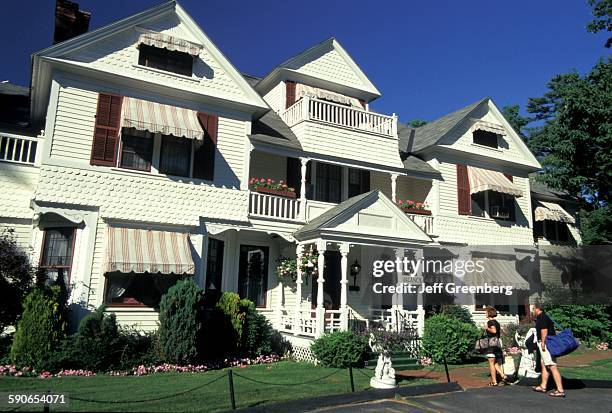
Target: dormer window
x: 164, y: 59
x: 486, y: 138
x: 488, y: 134
x: 167, y: 53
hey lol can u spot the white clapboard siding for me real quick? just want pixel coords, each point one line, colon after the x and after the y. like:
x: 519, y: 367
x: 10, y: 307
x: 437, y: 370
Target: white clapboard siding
x: 17, y: 185
x: 329, y: 66
x: 21, y: 230
x: 276, y: 97
x: 231, y: 145
x: 74, y: 124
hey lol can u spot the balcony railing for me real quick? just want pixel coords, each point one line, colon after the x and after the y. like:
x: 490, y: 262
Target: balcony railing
x: 275, y: 207
x: 18, y: 149
x: 425, y: 222
x: 309, y: 108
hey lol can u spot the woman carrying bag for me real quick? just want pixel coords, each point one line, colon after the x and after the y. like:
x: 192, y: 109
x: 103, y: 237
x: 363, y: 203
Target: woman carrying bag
x: 494, y: 353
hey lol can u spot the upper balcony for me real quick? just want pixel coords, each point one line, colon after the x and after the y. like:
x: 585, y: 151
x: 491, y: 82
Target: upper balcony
x: 344, y: 132
x: 317, y: 110
x: 17, y: 149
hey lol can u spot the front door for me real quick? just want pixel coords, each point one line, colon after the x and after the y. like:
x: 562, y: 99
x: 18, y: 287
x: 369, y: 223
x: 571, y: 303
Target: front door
x: 331, y: 287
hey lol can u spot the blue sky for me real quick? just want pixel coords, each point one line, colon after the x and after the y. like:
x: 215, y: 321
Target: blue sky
x: 427, y: 58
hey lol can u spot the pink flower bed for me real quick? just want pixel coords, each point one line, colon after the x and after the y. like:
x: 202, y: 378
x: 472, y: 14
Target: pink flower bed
x: 425, y: 361
x: 602, y: 347
x: 9, y: 370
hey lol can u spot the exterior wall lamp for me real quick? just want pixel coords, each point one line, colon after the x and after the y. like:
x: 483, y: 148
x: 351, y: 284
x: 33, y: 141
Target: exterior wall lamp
x: 355, y: 270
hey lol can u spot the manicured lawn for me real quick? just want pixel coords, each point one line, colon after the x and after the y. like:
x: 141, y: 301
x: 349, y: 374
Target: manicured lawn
x: 212, y: 397
x: 596, y: 370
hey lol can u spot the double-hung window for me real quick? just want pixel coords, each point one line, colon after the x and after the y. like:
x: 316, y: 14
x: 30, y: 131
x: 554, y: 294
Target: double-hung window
x: 175, y: 156
x: 57, y: 253
x: 136, y: 149
x: 328, y: 183
x: 164, y: 59
x: 494, y: 205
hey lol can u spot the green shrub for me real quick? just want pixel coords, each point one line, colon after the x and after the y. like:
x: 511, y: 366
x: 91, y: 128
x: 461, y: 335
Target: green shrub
x: 235, y: 309
x: 459, y: 312
x: 180, y: 323
x: 257, y: 335
x: 590, y: 323
x: 41, y: 328
x: 340, y: 349
x: 5, y: 348
x: 227, y: 318
x: 136, y: 348
x: 16, y: 275
x: 447, y: 337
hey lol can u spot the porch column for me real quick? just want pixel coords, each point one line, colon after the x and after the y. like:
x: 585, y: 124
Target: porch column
x: 344, y: 250
x: 303, y: 169
x: 297, y: 323
x: 279, y: 306
x: 394, y: 188
x: 321, y: 247
x: 398, y: 298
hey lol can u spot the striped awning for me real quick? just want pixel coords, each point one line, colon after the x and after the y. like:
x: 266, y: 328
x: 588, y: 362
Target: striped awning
x: 165, y: 41
x: 157, y: 117
x: 497, y: 272
x: 489, y: 127
x: 140, y: 251
x: 302, y: 89
x: 553, y: 212
x: 486, y: 180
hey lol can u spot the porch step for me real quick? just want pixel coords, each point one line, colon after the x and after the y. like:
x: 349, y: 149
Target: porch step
x: 401, y: 361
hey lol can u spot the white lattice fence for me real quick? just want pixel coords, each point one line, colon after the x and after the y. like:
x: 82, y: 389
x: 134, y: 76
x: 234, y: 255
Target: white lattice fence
x: 303, y: 354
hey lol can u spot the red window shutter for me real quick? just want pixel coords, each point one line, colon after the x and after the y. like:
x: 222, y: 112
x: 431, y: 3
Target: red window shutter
x: 510, y: 177
x: 464, y: 199
x: 204, y: 156
x: 290, y: 95
x: 106, y: 130
x: 363, y: 103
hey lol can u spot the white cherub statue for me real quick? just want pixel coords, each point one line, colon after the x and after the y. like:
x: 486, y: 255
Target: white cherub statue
x: 384, y: 374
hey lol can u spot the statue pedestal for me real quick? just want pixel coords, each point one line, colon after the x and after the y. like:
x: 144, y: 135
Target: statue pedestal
x: 383, y: 383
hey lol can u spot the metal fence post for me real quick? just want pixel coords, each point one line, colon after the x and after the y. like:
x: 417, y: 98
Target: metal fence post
x: 446, y: 370
x: 230, y: 377
x: 351, y: 376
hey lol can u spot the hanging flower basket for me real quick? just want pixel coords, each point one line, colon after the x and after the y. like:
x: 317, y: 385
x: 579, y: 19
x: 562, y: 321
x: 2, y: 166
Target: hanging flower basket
x: 413, y: 207
x: 309, y: 262
x: 270, y: 186
x: 286, y: 270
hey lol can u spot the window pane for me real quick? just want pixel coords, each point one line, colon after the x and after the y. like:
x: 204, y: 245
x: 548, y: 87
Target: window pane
x: 164, y: 59
x: 175, y: 156
x: 485, y: 138
x: 358, y: 182
x: 501, y: 206
x: 214, y: 266
x: 329, y: 183
x: 253, y: 274
x: 136, y: 149
x: 478, y: 204
x: 137, y: 289
x: 57, y: 250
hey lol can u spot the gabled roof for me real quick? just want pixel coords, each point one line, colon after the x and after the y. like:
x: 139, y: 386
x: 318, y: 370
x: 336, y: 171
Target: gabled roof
x: 349, y: 219
x: 540, y: 190
x: 433, y: 132
x: 293, y: 68
x: 56, y: 53
x: 270, y: 129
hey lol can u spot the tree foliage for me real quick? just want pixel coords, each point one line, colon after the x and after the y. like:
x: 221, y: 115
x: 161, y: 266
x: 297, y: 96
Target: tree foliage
x: 415, y: 123
x: 180, y: 322
x: 513, y: 116
x: 16, y: 276
x: 447, y: 338
x: 41, y: 327
x: 602, y: 13
x: 574, y: 135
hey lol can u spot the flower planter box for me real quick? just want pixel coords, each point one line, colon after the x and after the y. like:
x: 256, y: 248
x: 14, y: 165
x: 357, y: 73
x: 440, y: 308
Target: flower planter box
x: 276, y: 192
x: 417, y: 211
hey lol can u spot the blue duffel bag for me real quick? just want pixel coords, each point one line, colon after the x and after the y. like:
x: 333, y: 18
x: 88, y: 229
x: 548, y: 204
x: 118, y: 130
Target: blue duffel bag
x: 563, y: 343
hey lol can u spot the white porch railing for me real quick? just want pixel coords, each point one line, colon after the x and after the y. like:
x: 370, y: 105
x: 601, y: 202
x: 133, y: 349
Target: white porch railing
x: 309, y: 108
x: 394, y: 319
x: 271, y: 206
x: 20, y: 149
x: 332, y: 320
x: 425, y: 222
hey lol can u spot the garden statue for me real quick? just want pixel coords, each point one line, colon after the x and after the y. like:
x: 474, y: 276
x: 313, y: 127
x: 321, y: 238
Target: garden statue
x: 384, y: 375
x: 527, y: 366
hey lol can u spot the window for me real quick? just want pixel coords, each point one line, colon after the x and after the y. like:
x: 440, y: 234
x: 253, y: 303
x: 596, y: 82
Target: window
x: 57, y: 252
x: 501, y: 206
x: 175, y: 157
x: 214, y: 266
x: 253, y: 274
x: 136, y: 149
x: 485, y: 138
x: 137, y: 289
x: 551, y: 230
x: 496, y: 204
x: 164, y: 59
x: 329, y: 183
x: 359, y: 182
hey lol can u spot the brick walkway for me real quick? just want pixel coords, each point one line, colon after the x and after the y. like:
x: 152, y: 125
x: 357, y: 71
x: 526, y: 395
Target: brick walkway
x: 467, y: 377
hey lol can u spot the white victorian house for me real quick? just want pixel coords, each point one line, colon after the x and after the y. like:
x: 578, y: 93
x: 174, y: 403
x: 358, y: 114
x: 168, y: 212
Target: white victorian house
x: 134, y: 170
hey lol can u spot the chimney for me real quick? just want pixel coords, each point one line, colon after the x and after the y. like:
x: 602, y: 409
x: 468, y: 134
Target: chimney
x: 69, y: 21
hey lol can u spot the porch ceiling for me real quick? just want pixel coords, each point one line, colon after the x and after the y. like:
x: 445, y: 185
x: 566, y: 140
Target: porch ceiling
x: 370, y: 218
